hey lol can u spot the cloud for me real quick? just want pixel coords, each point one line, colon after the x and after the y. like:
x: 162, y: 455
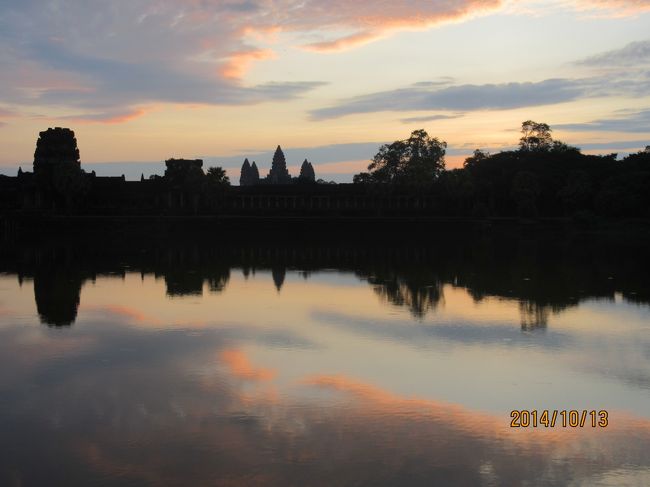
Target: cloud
x: 108, y: 117
x: 239, y: 62
x: 461, y: 97
x: 638, y: 122
x: 110, y: 60
x: 346, y: 24
x: 503, y: 96
x: 634, y: 54
x: 429, y: 118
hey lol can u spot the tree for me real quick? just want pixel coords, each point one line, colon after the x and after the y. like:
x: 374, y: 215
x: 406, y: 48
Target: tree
x: 217, y: 175
x: 535, y: 137
x: 476, y: 158
x: 418, y: 159
x: 526, y: 191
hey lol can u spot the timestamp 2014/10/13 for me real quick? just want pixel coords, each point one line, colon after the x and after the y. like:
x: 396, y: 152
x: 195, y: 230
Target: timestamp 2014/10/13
x: 533, y: 418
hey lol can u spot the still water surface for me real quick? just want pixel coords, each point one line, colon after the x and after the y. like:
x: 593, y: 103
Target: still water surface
x: 321, y: 365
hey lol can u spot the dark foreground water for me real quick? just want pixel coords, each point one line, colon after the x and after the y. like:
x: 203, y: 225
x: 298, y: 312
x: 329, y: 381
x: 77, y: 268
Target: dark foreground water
x: 309, y: 363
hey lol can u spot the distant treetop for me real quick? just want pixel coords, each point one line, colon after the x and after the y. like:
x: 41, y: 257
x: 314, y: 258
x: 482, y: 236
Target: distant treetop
x: 418, y: 159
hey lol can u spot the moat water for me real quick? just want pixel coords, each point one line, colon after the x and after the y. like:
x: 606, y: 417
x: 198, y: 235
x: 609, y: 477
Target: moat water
x: 323, y: 365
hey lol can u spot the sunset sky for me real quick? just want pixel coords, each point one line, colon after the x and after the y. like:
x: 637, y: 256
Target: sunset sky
x: 141, y: 81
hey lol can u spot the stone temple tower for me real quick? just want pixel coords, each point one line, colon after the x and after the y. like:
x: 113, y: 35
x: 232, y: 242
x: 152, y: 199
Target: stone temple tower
x: 279, y: 173
x: 55, y: 146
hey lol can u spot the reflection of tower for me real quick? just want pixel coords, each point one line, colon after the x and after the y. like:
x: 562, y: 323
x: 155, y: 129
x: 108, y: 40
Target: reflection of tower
x: 278, y: 273
x: 57, y: 297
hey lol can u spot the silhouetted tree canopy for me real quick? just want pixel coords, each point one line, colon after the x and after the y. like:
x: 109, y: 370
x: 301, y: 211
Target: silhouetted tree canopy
x: 418, y: 159
x: 535, y: 136
x: 217, y: 175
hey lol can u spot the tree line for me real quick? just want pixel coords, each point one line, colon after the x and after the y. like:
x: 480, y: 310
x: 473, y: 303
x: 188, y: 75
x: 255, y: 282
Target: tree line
x: 542, y: 177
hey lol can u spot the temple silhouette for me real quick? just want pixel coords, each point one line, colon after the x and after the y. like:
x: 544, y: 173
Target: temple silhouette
x: 407, y: 179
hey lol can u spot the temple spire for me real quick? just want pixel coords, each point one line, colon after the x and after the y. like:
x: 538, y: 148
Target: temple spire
x: 279, y: 173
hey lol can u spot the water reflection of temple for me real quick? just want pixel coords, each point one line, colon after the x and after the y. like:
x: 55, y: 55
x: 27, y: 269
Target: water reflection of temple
x: 543, y: 279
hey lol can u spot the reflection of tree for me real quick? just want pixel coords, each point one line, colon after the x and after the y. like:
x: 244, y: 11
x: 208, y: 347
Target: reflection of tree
x: 546, y: 273
x: 186, y: 268
x: 533, y: 316
x: 218, y: 277
x: 419, y: 291
x: 184, y: 283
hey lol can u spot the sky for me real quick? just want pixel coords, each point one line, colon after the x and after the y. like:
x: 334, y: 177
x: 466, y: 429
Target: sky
x: 141, y: 81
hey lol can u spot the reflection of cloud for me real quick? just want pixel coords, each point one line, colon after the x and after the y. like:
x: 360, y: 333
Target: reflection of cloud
x: 146, y: 417
x: 423, y: 334
x: 240, y: 366
x: 126, y: 313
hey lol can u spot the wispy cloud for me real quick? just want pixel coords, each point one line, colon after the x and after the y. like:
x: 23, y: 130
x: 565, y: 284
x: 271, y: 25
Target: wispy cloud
x: 461, y: 97
x: 634, y: 54
x: 430, y: 118
x: 637, y: 122
x: 612, y: 7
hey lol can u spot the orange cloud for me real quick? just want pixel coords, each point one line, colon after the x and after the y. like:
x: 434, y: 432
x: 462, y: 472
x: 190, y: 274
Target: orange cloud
x: 375, y: 23
x: 240, y: 366
x: 343, y: 43
x: 239, y: 62
x: 109, y: 118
